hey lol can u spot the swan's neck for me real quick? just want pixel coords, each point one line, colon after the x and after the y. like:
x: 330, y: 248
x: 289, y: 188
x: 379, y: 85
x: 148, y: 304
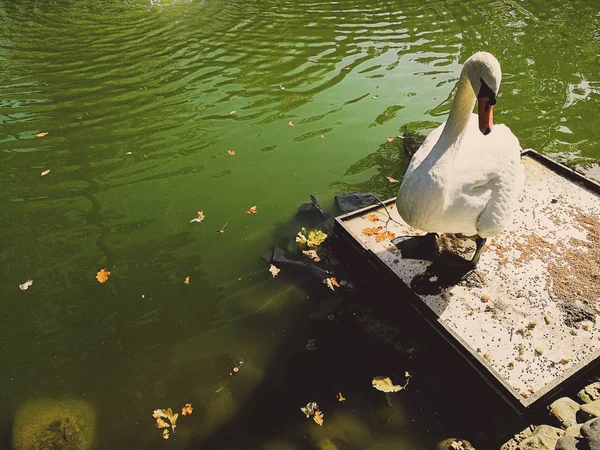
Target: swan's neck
x: 460, y: 112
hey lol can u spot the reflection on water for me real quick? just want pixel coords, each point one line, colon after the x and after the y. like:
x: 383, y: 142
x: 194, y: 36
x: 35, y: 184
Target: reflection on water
x: 141, y: 101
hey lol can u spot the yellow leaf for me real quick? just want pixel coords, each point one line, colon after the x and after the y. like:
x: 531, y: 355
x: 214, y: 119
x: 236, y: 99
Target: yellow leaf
x: 187, y: 280
x: 274, y: 270
x: 161, y: 423
x: 26, y: 285
x: 390, y: 139
x: 187, y: 409
x: 42, y: 134
x: 200, y: 217
x: 384, y: 384
x: 392, y: 180
x: 322, y: 136
x: 373, y: 217
x: 318, y: 417
x: 165, y: 434
x: 252, y: 210
x: 102, y: 276
x: 232, y: 112
x: 231, y: 152
x: 290, y: 123
x: 45, y: 172
x: 158, y: 413
x: 347, y: 68
x: 340, y: 397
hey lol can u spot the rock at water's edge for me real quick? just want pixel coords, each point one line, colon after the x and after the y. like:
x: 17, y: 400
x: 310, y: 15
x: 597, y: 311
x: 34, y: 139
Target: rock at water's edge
x: 565, y: 411
x: 543, y: 437
x: 447, y: 444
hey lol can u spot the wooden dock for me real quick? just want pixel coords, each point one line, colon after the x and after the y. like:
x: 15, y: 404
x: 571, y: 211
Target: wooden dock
x: 525, y: 320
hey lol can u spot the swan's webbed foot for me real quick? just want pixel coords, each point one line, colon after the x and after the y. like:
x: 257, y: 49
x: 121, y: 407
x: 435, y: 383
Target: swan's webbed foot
x: 447, y: 270
x: 418, y: 247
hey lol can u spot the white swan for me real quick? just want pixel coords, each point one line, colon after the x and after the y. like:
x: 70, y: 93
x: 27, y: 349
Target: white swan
x: 466, y: 177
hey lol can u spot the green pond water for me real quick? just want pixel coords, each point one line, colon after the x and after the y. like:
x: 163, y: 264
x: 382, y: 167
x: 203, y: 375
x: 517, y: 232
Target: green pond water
x: 159, y: 80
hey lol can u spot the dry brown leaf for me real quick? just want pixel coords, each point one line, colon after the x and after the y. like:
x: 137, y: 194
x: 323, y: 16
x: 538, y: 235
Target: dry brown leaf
x: 318, y: 417
x: 340, y: 397
x: 161, y: 423
x: 331, y: 283
x: 231, y: 152
x: 543, y: 112
x: 187, y: 409
x: 187, y: 280
x: 172, y: 417
x: 457, y: 445
x: 165, y: 434
x: 252, y: 210
x: 373, y: 217
x: 384, y: 384
x: 42, y: 134
x: 392, y: 180
x: 232, y: 112
x: 371, y: 231
x: 290, y: 123
x: 102, y: 276
x: 390, y: 139
x: 274, y: 270
x: 45, y: 172
x: 312, y: 254
x: 222, y: 230
x: 385, y: 235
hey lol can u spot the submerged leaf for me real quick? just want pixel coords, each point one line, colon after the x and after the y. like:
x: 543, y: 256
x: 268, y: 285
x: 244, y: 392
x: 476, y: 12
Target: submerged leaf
x: 274, y: 270
x: 26, y: 285
x: 102, y: 276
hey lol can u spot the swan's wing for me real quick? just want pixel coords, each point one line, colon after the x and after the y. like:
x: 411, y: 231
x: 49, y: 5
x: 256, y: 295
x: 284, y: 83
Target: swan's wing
x: 505, y: 180
x: 424, y: 149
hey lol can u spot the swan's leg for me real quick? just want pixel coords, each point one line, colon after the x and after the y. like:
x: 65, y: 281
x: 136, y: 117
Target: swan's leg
x: 418, y: 247
x: 479, y: 243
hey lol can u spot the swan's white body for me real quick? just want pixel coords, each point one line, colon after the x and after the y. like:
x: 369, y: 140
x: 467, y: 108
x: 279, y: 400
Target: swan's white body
x: 460, y: 181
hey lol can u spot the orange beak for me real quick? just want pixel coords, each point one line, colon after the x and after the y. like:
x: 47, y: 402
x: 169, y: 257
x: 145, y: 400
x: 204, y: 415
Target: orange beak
x: 486, y: 115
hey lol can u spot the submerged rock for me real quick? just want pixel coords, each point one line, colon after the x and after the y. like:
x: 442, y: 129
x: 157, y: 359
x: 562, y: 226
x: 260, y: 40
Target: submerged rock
x: 357, y: 200
x: 67, y: 424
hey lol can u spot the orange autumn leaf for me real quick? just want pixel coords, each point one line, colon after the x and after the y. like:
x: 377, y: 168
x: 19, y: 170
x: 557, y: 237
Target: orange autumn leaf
x: 187, y: 280
x: 102, y: 276
x: 373, y: 217
x: 187, y: 409
x: 318, y: 418
x: 334, y: 282
x: 340, y: 397
x: 385, y: 235
x: 392, y: 180
x: 252, y: 210
x: 161, y: 423
x: 390, y: 139
x: 231, y: 152
x: 42, y: 134
x: 371, y: 231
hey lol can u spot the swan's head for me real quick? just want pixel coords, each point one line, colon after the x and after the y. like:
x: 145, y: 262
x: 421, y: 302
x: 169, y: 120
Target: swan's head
x: 485, y: 75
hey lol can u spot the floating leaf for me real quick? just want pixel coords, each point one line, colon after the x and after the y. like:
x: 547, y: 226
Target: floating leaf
x: 282, y: 87
x: 102, y: 276
x: 232, y: 112
x: 274, y: 270
x: 129, y: 153
x: 373, y: 217
x: 172, y: 417
x: 42, y: 134
x: 290, y: 123
x: 340, y: 397
x: 187, y: 409
x: 543, y: 112
x: 252, y: 210
x: 371, y: 231
x: 392, y: 180
x: 26, y: 285
x: 200, y: 217
x: 390, y: 139
x: 384, y: 384
x: 161, y: 423
x: 330, y: 283
x: 312, y: 254
x: 165, y: 434
x: 45, y: 172
x: 231, y: 152
x: 158, y: 413
x: 322, y: 136
x: 316, y: 238
x: 310, y: 409
x: 187, y: 280
x: 222, y: 230
x: 318, y: 418
x: 347, y: 68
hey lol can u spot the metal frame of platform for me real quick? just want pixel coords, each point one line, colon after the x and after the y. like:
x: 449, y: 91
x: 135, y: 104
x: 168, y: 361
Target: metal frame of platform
x: 491, y: 377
